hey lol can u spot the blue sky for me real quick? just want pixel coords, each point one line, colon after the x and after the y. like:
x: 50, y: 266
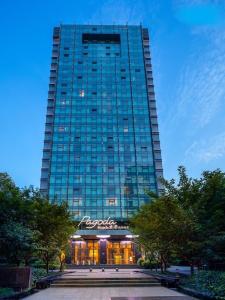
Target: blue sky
x: 188, y: 55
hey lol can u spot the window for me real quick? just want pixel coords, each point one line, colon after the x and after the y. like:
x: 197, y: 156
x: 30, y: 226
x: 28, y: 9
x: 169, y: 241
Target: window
x: 81, y: 93
x: 76, y: 213
x: 111, y: 201
x: 60, y: 147
x: 62, y: 129
x: 77, y: 201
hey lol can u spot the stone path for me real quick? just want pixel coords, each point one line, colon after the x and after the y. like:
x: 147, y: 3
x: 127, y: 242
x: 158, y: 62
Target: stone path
x: 108, y: 294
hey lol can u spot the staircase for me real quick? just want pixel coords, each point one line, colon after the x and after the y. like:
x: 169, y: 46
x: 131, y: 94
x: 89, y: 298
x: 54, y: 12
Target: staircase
x: 73, y: 266
x: 105, y: 282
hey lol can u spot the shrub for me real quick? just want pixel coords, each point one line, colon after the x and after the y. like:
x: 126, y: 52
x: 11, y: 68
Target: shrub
x: 38, y: 273
x: 6, y: 292
x: 211, y: 283
x: 140, y: 261
x: 147, y: 264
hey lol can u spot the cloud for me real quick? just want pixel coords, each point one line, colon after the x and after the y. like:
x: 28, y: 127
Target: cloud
x: 200, y: 91
x: 119, y: 12
x: 205, y: 151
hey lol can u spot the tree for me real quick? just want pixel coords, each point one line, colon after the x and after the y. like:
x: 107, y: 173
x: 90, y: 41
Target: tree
x: 163, y: 227
x: 204, y: 200
x: 55, y: 226
x: 17, y: 240
x: 18, y: 243
x: 30, y: 225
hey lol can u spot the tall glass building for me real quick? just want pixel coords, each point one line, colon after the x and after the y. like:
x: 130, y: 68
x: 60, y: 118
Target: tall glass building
x: 101, y: 146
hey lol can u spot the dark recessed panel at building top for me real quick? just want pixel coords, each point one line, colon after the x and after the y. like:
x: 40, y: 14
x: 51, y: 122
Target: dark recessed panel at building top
x: 93, y: 38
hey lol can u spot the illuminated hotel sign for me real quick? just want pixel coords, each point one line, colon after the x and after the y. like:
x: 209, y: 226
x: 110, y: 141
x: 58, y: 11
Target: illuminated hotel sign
x: 100, y: 224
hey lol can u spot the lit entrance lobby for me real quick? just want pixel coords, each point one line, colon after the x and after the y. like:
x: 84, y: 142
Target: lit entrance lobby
x: 112, y: 248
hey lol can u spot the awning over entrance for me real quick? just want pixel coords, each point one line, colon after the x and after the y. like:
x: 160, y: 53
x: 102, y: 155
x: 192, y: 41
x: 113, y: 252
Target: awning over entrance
x: 94, y: 232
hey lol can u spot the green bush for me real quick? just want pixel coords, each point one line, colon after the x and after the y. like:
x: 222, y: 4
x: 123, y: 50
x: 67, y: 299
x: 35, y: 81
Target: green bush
x: 140, y: 261
x: 211, y: 283
x: 6, y: 292
x: 147, y: 264
x: 37, y: 263
x: 54, y: 265
x: 38, y: 273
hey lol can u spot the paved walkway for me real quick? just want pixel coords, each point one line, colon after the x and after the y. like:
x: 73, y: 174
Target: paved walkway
x: 107, y: 293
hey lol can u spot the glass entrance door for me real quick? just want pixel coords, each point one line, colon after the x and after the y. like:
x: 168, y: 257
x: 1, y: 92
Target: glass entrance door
x: 86, y: 252
x: 120, y: 252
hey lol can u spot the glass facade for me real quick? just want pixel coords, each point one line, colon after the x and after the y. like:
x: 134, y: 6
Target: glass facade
x: 101, y: 147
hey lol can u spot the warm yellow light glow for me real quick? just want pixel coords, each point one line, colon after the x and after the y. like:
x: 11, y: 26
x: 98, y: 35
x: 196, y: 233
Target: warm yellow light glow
x: 76, y: 236
x: 102, y: 236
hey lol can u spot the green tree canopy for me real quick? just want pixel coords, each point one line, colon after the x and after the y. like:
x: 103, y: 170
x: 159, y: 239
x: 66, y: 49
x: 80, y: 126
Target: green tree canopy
x: 30, y: 225
x: 187, y: 219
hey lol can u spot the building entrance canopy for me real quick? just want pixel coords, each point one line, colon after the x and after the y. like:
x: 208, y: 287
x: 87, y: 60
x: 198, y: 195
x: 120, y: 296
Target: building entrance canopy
x: 90, y: 233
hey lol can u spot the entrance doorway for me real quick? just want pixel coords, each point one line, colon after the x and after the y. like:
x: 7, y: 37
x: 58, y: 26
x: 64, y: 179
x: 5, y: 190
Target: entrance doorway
x: 120, y: 252
x: 94, y: 252
x: 86, y: 252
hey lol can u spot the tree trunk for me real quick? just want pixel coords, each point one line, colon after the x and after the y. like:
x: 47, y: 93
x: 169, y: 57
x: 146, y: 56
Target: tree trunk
x: 47, y: 266
x: 192, y: 268
x: 61, y: 266
x: 46, y: 262
x: 161, y: 263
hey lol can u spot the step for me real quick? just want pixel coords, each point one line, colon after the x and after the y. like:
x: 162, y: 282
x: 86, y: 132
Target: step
x: 106, y: 279
x: 103, y: 282
x: 117, y: 284
x: 73, y: 266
